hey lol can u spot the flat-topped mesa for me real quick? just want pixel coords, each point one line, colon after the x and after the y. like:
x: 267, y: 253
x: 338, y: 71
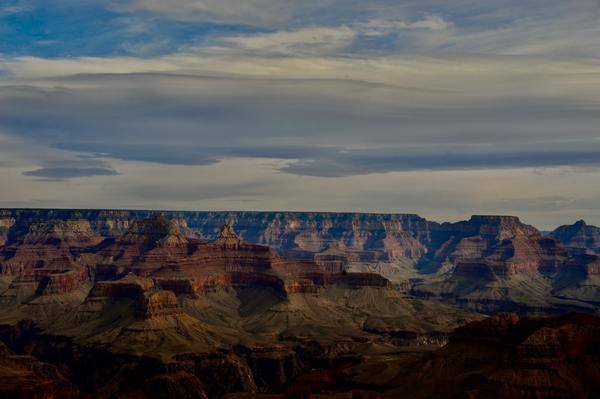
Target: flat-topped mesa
x: 501, y: 227
x: 156, y: 230
x: 488, y: 246
x: 145, y: 247
x: 472, y: 238
x: 148, y: 300
x: 130, y: 286
x: 579, y: 235
x: 72, y: 233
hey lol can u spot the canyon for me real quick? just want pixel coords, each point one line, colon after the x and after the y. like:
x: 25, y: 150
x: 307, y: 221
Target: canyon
x: 113, y: 303
x: 486, y: 264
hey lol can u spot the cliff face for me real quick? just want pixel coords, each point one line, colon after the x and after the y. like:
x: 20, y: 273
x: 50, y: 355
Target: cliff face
x: 355, y: 237
x: 500, y: 357
x: 345, y: 237
x: 474, y: 262
x: 155, y: 249
x: 47, y: 260
x: 497, y: 263
x: 579, y: 235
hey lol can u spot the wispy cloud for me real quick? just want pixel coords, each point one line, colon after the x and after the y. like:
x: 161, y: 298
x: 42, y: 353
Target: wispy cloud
x: 318, y: 40
x: 327, y: 40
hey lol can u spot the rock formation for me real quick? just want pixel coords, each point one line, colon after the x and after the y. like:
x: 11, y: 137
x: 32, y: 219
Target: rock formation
x: 509, y: 357
x: 46, y: 261
x: 579, y: 235
x: 497, y: 263
x: 206, y: 315
x: 5, y: 225
x: 481, y: 263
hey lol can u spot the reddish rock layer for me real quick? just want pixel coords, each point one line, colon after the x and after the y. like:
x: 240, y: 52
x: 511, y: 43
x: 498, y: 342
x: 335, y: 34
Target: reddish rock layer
x: 49, y: 255
x: 226, y: 262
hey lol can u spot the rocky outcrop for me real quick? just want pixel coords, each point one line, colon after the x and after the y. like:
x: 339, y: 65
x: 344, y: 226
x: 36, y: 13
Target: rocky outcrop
x: 5, y: 225
x: 74, y: 233
x: 25, y: 377
x: 497, y: 263
x: 551, y: 357
x: 501, y: 357
x: 476, y: 238
x: 47, y: 259
x: 159, y: 303
x: 579, y: 235
x: 144, y: 248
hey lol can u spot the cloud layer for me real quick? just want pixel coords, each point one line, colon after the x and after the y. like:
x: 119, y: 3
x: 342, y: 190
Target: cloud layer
x: 330, y: 95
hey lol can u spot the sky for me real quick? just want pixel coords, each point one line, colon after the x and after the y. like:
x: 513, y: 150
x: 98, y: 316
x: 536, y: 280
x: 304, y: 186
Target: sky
x: 445, y: 108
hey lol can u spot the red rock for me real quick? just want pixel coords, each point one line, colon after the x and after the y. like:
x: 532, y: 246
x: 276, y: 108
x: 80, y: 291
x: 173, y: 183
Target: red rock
x: 48, y: 255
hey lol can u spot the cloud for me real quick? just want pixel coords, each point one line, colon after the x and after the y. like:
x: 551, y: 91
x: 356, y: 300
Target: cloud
x: 382, y: 115
x: 334, y: 162
x: 380, y: 27
x: 326, y: 40
x: 460, y: 27
x: 60, y: 173
x: 153, y: 27
x: 303, y: 41
x: 158, y: 153
x: 251, y: 12
x: 71, y: 169
x: 350, y: 163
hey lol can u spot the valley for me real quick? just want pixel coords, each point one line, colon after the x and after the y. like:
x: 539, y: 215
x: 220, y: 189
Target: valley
x: 251, y: 304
